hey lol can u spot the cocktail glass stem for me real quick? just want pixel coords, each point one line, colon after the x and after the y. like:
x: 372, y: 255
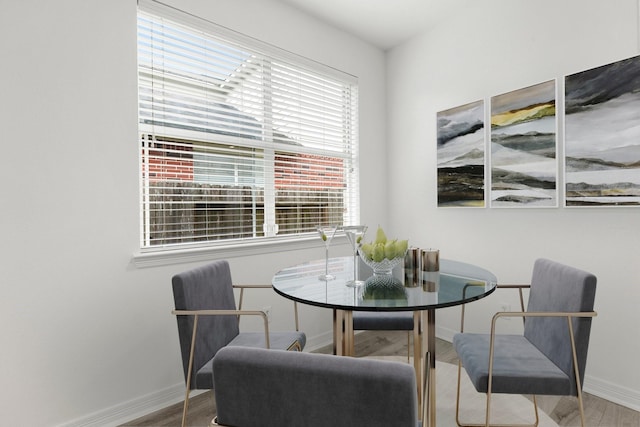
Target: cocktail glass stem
x: 326, y: 262
x: 355, y: 267
x: 326, y: 275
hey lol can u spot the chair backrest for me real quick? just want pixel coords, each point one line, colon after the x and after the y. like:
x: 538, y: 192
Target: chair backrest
x: 204, y: 288
x: 560, y: 288
x: 265, y: 388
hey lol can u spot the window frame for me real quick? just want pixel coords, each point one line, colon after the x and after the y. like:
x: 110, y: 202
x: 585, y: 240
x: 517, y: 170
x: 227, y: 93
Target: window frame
x: 150, y: 255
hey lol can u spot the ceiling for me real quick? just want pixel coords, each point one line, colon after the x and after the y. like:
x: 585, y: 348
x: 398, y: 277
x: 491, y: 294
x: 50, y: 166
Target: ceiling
x: 383, y: 23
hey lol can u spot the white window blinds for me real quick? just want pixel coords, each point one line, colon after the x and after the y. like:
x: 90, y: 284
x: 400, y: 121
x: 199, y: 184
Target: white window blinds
x: 238, y: 139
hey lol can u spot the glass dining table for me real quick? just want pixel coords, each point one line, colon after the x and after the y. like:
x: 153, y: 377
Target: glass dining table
x: 454, y: 284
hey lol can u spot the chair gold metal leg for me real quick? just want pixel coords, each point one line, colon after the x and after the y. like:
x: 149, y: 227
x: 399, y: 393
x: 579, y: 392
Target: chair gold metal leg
x: 295, y: 346
x: 458, y: 395
x: 295, y: 315
x: 576, y: 371
x: 417, y: 355
x: 581, y: 408
x: 487, y: 414
x: 185, y: 407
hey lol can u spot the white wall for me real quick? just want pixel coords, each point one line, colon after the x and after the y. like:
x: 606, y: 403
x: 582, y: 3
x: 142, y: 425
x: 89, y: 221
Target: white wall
x: 496, y: 46
x: 87, y: 337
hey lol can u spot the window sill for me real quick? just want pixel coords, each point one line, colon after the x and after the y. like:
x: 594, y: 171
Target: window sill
x: 160, y: 257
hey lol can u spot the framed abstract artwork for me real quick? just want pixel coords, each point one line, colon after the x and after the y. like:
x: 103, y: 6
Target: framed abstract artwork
x: 524, y: 164
x: 602, y: 135
x: 461, y: 156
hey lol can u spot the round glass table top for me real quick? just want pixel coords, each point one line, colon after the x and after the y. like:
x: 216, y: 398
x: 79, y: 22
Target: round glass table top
x: 456, y: 283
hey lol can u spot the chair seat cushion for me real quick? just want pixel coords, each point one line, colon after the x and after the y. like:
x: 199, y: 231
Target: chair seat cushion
x: 277, y: 341
x: 518, y: 366
x: 383, y: 320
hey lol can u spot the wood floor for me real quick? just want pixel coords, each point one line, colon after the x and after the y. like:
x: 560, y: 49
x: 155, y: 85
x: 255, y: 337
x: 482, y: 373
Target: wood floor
x: 563, y: 410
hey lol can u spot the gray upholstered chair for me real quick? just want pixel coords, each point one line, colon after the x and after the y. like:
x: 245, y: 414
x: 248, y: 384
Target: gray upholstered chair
x: 550, y: 357
x: 385, y: 321
x: 258, y: 388
x: 208, y: 320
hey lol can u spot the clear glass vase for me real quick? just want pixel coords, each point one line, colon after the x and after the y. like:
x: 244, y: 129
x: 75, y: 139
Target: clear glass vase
x: 382, y: 284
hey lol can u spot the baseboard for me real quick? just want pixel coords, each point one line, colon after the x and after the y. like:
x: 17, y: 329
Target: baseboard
x: 598, y: 387
x: 445, y: 333
x: 612, y: 392
x: 132, y: 409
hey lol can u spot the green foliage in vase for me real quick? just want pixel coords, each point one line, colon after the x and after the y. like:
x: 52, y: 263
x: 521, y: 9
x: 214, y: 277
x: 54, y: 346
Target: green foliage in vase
x: 383, y: 248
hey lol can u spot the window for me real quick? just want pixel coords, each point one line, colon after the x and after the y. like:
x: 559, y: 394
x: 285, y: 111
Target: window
x: 238, y: 139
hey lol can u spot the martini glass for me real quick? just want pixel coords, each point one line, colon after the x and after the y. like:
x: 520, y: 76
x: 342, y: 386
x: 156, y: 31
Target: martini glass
x: 326, y: 233
x: 355, y: 234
